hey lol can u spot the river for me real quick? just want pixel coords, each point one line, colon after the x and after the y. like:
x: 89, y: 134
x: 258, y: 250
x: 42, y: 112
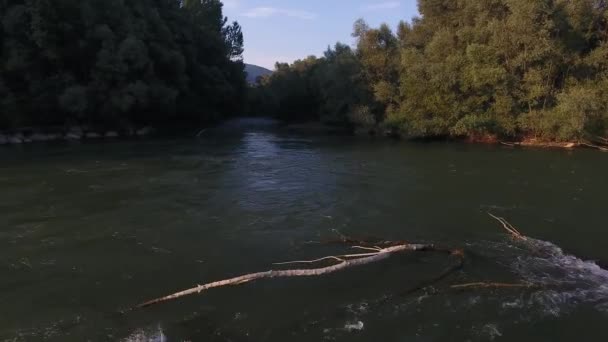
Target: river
x: 89, y: 230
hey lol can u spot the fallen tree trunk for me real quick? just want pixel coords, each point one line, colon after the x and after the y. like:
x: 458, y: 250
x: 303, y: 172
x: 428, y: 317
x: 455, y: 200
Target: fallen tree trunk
x: 367, y: 258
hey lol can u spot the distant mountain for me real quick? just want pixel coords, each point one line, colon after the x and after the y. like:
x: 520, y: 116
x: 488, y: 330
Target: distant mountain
x: 254, y: 71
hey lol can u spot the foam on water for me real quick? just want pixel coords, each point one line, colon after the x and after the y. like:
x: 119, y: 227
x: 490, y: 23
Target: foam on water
x: 149, y: 335
x: 570, y: 281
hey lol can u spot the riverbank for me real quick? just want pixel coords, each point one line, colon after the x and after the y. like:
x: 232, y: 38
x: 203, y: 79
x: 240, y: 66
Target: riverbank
x: 86, y: 133
x: 318, y: 128
x: 540, y: 143
x: 565, y: 145
x: 74, y: 133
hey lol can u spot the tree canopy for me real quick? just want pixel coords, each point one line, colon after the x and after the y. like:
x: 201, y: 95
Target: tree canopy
x: 503, y: 68
x: 117, y: 62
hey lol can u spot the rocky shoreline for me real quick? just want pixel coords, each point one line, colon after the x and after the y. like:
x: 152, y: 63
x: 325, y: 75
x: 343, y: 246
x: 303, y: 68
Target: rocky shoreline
x: 76, y: 133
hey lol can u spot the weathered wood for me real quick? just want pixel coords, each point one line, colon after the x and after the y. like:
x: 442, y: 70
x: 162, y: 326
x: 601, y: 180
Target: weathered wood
x: 597, y: 147
x: 509, y: 228
x: 482, y: 285
x: 344, y: 264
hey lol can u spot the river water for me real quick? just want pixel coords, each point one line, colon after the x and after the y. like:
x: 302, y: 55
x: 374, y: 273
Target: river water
x: 89, y: 230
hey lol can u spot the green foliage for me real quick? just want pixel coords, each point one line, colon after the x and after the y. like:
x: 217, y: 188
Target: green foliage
x: 113, y: 62
x: 74, y: 100
x: 509, y: 68
x: 581, y: 109
x: 329, y: 89
x: 362, y: 116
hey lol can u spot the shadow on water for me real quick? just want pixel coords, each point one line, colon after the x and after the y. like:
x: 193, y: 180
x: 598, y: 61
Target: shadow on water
x: 89, y: 229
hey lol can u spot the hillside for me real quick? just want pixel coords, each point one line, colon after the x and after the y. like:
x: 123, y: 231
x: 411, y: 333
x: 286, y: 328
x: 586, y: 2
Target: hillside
x: 254, y: 71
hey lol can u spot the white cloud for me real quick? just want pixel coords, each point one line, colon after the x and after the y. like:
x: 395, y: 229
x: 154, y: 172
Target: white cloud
x: 382, y: 6
x: 265, y: 12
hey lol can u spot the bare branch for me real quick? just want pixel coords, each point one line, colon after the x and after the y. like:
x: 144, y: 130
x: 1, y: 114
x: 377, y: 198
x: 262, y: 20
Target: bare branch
x: 334, y: 257
x: 482, y: 285
x: 375, y: 248
x: 375, y: 257
x: 509, y: 228
x: 603, y: 149
x: 309, y: 261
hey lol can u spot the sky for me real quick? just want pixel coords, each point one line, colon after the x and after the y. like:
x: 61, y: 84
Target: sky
x: 286, y: 30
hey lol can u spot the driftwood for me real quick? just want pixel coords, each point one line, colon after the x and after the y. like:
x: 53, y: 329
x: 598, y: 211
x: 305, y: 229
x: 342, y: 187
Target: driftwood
x: 596, y: 138
x: 345, y: 262
x: 509, y: 228
x: 374, y: 252
x: 482, y: 285
x: 597, y: 147
x: 568, y: 145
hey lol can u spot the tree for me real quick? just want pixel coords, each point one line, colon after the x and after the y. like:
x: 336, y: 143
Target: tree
x: 513, y: 69
x: 117, y: 63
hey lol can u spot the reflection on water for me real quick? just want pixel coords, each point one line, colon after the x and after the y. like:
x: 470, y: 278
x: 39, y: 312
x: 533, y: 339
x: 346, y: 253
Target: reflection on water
x: 89, y: 230
x: 274, y: 177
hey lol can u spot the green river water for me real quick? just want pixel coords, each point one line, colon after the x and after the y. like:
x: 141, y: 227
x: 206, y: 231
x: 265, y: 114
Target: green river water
x: 88, y: 230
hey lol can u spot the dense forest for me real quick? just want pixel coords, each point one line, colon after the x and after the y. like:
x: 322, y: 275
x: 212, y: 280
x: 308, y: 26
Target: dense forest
x: 516, y: 69
x: 480, y: 69
x: 117, y: 63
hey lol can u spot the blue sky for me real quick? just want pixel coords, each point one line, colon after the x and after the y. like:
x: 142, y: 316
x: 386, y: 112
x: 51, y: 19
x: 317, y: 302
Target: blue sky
x: 286, y: 30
